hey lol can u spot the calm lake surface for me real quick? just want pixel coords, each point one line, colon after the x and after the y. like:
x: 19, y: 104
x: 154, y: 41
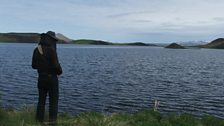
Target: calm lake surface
x: 120, y: 79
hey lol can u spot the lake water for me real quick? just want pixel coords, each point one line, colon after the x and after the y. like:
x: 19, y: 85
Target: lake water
x: 120, y: 79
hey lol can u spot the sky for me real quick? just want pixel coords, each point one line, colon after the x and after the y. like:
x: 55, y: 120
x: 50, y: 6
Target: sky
x: 149, y: 21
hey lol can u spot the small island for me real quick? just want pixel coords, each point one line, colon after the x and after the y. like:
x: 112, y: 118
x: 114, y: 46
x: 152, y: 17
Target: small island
x: 175, y: 46
x: 136, y: 44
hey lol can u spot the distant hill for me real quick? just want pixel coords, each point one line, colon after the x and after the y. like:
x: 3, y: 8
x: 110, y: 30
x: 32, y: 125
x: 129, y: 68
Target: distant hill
x: 100, y: 42
x: 63, y: 38
x: 20, y: 37
x: 192, y: 43
x: 91, y: 42
x: 27, y: 37
x: 175, y: 46
x: 215, y: 44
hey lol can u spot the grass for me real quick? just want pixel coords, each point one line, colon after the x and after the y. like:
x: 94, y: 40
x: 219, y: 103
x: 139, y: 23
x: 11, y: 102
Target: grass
x: 25, y: 117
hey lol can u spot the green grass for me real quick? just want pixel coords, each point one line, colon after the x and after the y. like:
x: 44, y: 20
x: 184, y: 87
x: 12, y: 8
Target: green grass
x: 25, y: 117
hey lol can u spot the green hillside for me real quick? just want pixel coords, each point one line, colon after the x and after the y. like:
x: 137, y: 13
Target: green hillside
x: 19, y: 37
x: 92, y: 42
x: 22, y: 38
x: 100, y: 42
x: 215, y: 44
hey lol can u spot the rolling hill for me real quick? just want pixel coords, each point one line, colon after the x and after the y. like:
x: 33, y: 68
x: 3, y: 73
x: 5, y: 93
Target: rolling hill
x: 215, y: 44
x: 28, y: 38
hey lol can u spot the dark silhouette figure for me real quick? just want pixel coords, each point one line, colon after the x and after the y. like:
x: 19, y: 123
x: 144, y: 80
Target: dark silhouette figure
x: 46, y: 62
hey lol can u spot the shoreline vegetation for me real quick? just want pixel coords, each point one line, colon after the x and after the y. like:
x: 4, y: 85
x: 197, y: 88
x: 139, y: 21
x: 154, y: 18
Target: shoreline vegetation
x: 34, y: 38
x: 147, y: 117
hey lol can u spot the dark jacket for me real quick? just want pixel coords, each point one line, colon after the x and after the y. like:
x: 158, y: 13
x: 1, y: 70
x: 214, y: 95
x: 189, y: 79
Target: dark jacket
x: 46, y: 63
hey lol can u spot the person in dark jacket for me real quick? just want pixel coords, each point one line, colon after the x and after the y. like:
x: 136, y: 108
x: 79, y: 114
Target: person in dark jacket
x: 46, y: 62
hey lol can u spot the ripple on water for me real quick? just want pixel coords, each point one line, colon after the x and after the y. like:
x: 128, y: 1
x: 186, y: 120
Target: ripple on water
x: 120, y: 79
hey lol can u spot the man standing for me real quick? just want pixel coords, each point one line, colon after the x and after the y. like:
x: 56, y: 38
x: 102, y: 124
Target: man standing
x: 46, y: 62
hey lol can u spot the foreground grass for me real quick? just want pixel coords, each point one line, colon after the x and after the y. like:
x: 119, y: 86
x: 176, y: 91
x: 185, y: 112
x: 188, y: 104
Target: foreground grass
x: 25, y: 117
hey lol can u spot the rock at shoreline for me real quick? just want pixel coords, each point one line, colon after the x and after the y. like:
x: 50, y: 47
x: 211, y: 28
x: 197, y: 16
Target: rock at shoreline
x: 175, y: 46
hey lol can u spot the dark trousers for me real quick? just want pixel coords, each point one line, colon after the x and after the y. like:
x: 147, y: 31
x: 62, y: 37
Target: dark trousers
x: 47, y: 84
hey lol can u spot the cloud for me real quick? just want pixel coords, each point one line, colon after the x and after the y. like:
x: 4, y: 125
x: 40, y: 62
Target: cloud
x: 142, y: 21
x: 120, y: 15
x: 123, y: 20
x: 219, y: 19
